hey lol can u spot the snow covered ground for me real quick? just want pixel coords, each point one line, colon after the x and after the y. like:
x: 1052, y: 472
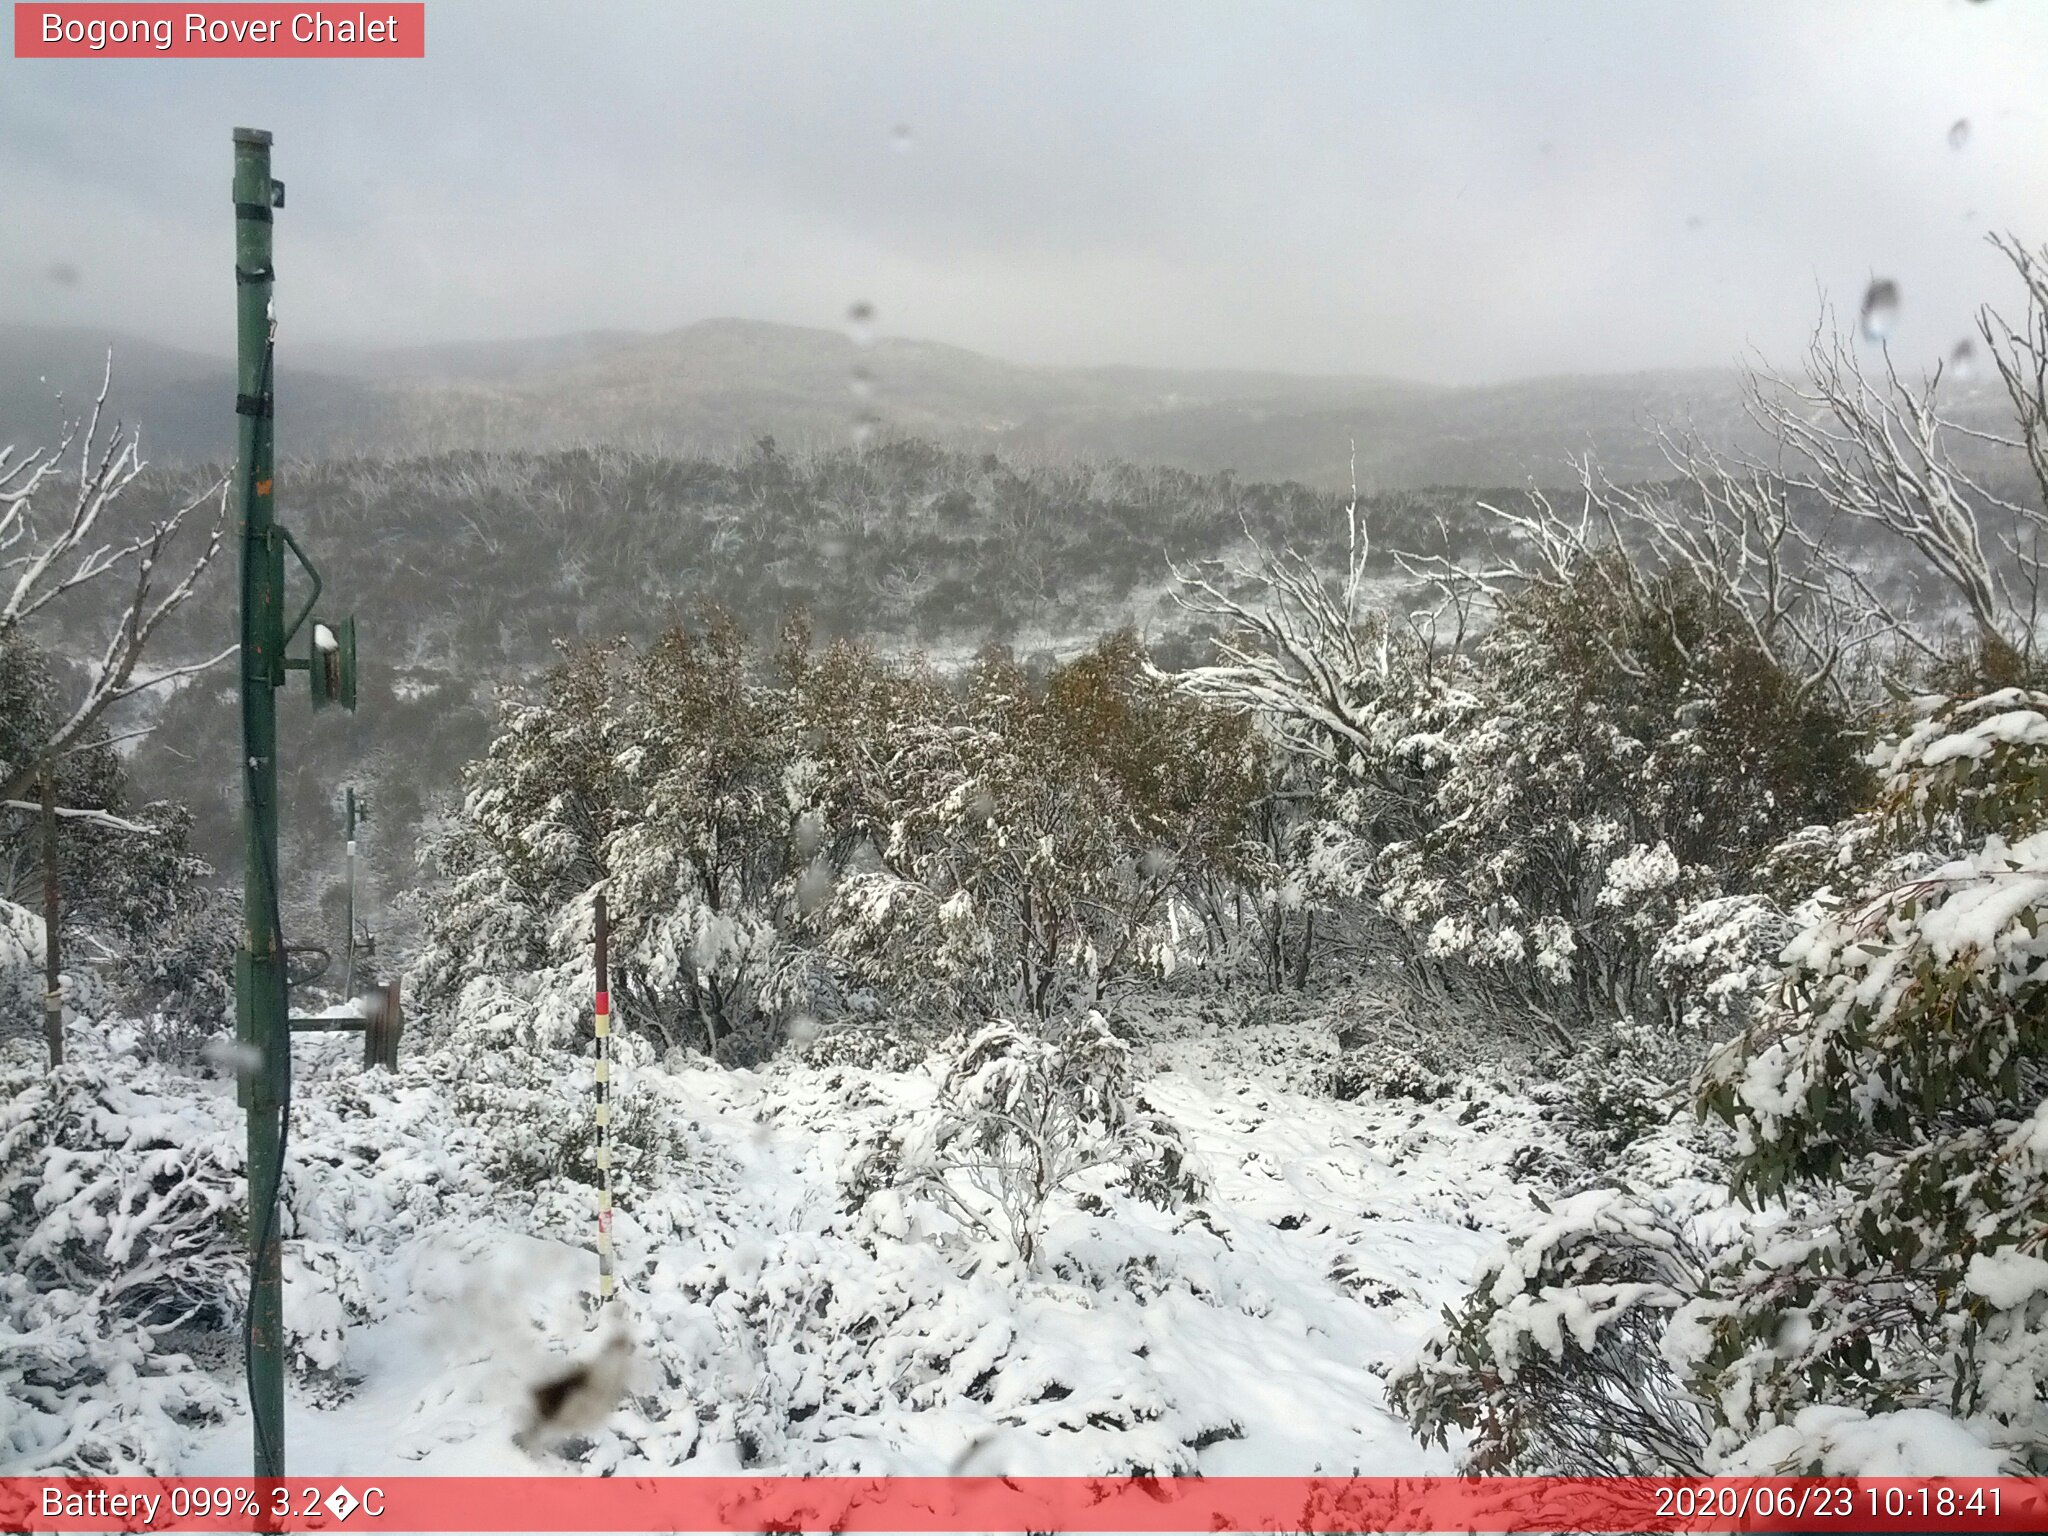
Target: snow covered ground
x: 774, y: 1329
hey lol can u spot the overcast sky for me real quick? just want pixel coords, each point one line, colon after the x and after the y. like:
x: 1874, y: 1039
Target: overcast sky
x: 1447, y: 191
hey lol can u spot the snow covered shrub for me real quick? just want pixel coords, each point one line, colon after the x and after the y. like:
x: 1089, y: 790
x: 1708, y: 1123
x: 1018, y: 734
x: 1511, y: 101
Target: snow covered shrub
x: 1717, y: 960
x: 1022, y: 1113
x: 663, y: 776
x: 59, y: 1354
x: 1554, y: 1362
x: 1617, y: 1089
x: 115, y: 1229
x: 884, y: 1046
x: 182, y: 974
x: 522, y: 1083
x: 1387, y: 1071
x: 1898, y: 1094
x: 115, y: 1190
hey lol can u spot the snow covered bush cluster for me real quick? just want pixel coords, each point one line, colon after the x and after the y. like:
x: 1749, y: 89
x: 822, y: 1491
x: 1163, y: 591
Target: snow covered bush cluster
x: 114, y: 1233
x: 1898, y: 1093
x: 1635, y: 788
x: 1021, y: 1114
x: 1889, y: 1107
x: 822, y: 838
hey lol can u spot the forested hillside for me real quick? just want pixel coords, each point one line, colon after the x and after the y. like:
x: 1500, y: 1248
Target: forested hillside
x: 716, y: 387
x: 466, y: 570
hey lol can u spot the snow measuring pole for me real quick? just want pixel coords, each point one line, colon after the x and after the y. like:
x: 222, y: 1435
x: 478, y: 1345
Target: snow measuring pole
x: 262, y: 980
x: 603, y: 1026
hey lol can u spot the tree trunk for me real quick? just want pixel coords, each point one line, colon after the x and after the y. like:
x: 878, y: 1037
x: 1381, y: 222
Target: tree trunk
x: 53, y: 994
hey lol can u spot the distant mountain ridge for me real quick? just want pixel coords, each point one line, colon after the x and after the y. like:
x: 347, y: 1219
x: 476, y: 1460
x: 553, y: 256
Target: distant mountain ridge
x: 722, y: 384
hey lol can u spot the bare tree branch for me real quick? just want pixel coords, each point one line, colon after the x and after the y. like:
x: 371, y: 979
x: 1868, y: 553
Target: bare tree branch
x: 72, y: 555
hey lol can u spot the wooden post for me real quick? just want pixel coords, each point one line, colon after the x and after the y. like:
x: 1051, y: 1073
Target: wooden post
x: 382, y: 1028
x: 53, y: 985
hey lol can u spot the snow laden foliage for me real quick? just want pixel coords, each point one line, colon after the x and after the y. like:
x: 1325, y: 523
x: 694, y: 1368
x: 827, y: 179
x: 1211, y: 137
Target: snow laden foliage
x: 1896, y: 1097
x: 114, y: 1233
x: 1021, y: 1114
x: 1033, y: 844
x: 1884, y: 1292
x: 1554, y: 1365
x: 821, y: 840
x: 1517, y: 823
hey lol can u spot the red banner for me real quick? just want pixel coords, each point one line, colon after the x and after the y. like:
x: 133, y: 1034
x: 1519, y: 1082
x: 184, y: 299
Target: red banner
x: 1193, y: 1504
x: 118, y: 31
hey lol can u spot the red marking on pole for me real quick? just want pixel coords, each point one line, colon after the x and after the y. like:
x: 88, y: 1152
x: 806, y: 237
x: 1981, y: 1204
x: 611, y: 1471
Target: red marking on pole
x: 604, y: 1002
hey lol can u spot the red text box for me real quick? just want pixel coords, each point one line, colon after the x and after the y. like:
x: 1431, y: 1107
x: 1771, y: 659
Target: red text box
x: 263, y: 31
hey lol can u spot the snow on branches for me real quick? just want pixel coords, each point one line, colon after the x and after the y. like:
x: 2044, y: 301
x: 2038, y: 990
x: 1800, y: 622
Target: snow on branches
x: 38, y: 566
x: 1022, y: 1114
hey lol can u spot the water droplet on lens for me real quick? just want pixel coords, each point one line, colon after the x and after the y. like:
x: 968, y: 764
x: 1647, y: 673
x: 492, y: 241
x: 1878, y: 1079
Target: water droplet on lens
x: 862, y: 383
x: 1880, y: 311
x: 1959, y: 133
x: 229, y: 1055
x: 810, y: 832
x: 899, y: 137
x: 1962, y: 360
x: 863, y: 429
x: 814, y: 886
x: 63, y: 274
x: 860, y: 322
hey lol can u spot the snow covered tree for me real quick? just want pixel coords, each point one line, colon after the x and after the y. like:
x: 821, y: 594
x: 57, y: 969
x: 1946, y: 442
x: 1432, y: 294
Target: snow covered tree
x: 42, y: 565
x: 1029, y: 839
x: 1616, y: 763
x: 128, y: 881
x: 661, y: 777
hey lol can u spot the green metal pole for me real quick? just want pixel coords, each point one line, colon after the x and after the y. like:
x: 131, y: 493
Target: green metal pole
x: 261, y: 1010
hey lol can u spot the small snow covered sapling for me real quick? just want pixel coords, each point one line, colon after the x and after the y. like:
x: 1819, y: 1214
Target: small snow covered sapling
x: 1554, y: 1364
x: 1021, y: 1114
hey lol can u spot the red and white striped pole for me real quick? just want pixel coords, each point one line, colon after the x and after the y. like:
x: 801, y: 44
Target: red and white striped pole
x: 604, y: 1110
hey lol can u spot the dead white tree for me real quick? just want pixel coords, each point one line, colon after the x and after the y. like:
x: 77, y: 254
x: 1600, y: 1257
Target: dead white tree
x: 1728, y: 527
x: 41, y: 562
x: 1309, y: 657
x: 1879, y: 448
